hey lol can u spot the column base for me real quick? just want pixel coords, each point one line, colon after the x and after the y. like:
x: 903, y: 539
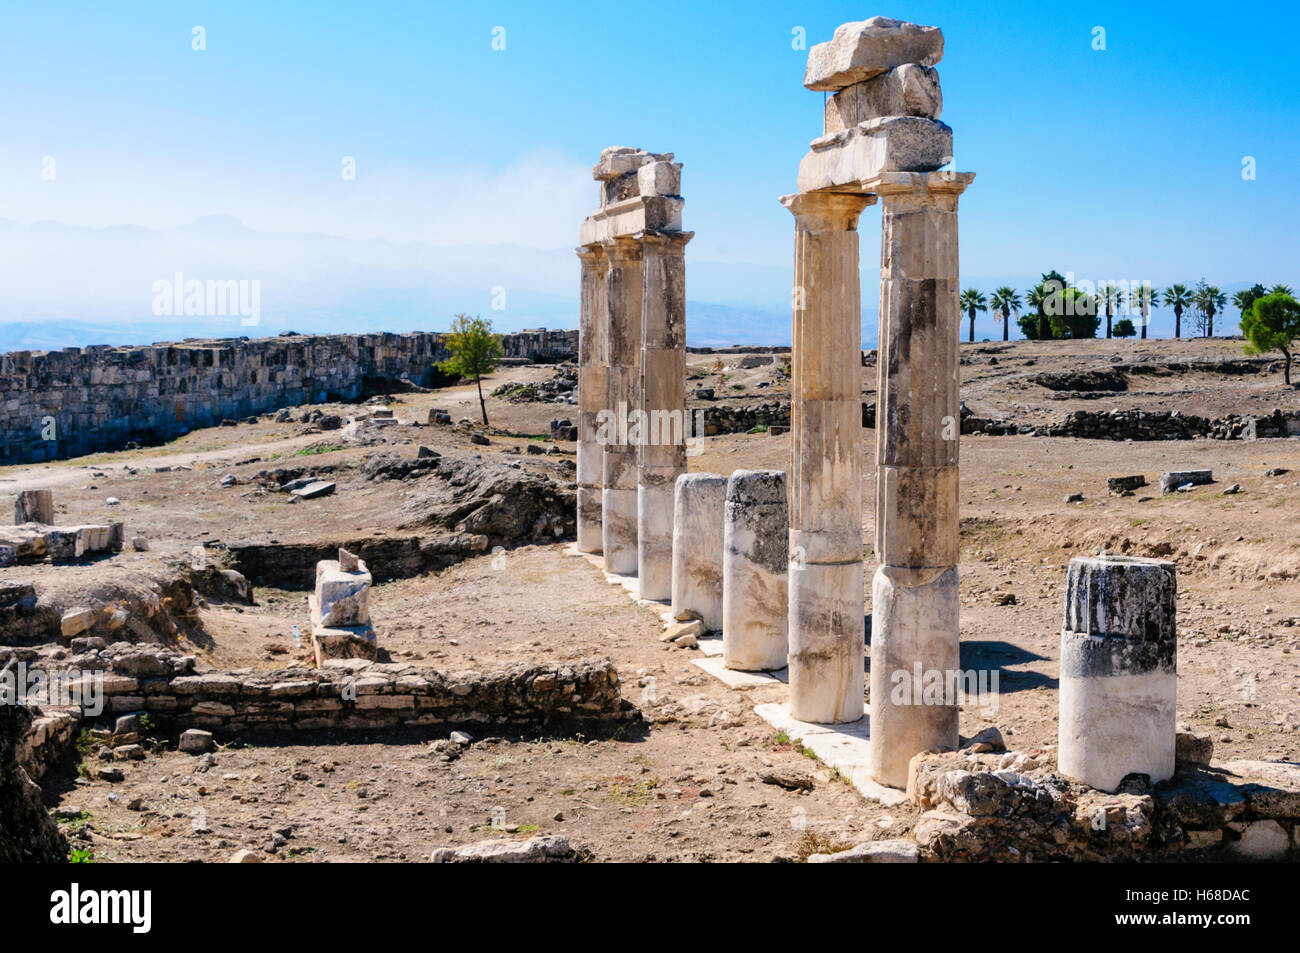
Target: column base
x: 654, y: 541
x: 590, y: 508
x: 915, y: 666
x: 1113, y: 726
x: 826, y: 642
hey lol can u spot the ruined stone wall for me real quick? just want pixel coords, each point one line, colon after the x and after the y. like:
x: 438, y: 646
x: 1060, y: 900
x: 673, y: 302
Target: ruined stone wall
x: 83, y: 400
x: 391, y: 695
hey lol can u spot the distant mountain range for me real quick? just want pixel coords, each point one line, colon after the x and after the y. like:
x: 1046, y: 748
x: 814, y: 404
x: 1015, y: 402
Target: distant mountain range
x: 66, y: 286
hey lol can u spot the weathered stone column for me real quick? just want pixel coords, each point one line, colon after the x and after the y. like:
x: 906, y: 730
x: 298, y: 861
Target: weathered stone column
x: 915, y: 602
x: 699, y: 505
x: 1119, y: 659
x: 619, y: 473
x: 826, y: 582
x: 662, y: 450
x: 755, y: 560
x: 593, y: 393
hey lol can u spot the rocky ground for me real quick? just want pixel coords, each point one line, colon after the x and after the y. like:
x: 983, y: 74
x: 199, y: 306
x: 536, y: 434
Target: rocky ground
x: 703, y: 777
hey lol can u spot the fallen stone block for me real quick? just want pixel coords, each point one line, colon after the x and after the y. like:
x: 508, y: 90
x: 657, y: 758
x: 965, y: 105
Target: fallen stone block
x: 1193, y: 749
x: 34, y: 506
x: 1125, y: 484
x: 314, y: 490
x: 1178, y: 478
x: 873, y: 852
x: 195, y: 741
x: 77, y: 621
x: 866, y: 48
x: 1259, y: 840
x: 535, y: 850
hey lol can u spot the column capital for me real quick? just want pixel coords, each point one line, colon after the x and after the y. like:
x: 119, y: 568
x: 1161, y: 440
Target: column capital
x: 925, y: 189
x: 590, y: 254
x: 826, y: 211
x: 661, y: 241
x: 622, y: 249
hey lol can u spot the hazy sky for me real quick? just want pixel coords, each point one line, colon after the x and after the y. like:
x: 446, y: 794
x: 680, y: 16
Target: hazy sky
x: 1117, y: 163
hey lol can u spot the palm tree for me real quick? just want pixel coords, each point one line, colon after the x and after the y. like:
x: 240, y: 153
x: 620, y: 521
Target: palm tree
x: 1178, y: 297
x: 1242, y: 300
x: 1004, y: 301
x: 972, y: 300
x: 1280, y: 290
x: 1048, y: 288
x: 1109, y: 296
x: 1209, y: 301
x: 1144, y: 297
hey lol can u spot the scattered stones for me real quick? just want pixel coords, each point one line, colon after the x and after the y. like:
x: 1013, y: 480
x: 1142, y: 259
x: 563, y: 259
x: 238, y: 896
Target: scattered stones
x: 110, y: 773
x: 1192, y: 749
x: 245, y: 856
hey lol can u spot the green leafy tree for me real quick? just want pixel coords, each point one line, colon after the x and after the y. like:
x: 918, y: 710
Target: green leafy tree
x: 972, y: 300
x: 1124, y: 328
x: 1004, y: 301
x: 1111, y: 298
x: 1272, y: 324
x: 1074, y: 314
x: 1144, y: 298
x: 1178, y: 297
x: 475, y: 351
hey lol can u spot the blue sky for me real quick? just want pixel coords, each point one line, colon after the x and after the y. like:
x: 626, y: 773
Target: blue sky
x: 1121, y: 163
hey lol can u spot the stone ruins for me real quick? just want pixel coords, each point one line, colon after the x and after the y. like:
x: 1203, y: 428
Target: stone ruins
x: 789, y: 591
x: 632, y: 366
x: 762, y: 570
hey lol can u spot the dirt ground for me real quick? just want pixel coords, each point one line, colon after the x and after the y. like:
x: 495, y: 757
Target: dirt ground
x: 687, y: 785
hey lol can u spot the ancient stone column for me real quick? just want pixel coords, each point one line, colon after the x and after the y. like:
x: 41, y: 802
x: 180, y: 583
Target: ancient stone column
x: 593, y: 394
x: 1118, y: 671
x: 915, y: 603
x: 826, y: 582
x: 619, y: 462
x: 662, y: 450
x: 699, y: 504
x: 755, y: 557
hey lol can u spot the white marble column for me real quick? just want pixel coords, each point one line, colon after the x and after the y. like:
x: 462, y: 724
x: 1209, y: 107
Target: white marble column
x: 662, y: 451
x: 915, y: 602
x: 826, y: 568
x: 593, y: 393
x: 1119, y: 671
x: 699, y: 506
x: 619, y: 495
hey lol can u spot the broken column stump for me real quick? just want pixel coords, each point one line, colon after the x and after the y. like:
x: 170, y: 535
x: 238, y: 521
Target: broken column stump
x: 755, y: 562
x: 698, y: 509
x: 1118, y: 671
x: 340, y: 610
